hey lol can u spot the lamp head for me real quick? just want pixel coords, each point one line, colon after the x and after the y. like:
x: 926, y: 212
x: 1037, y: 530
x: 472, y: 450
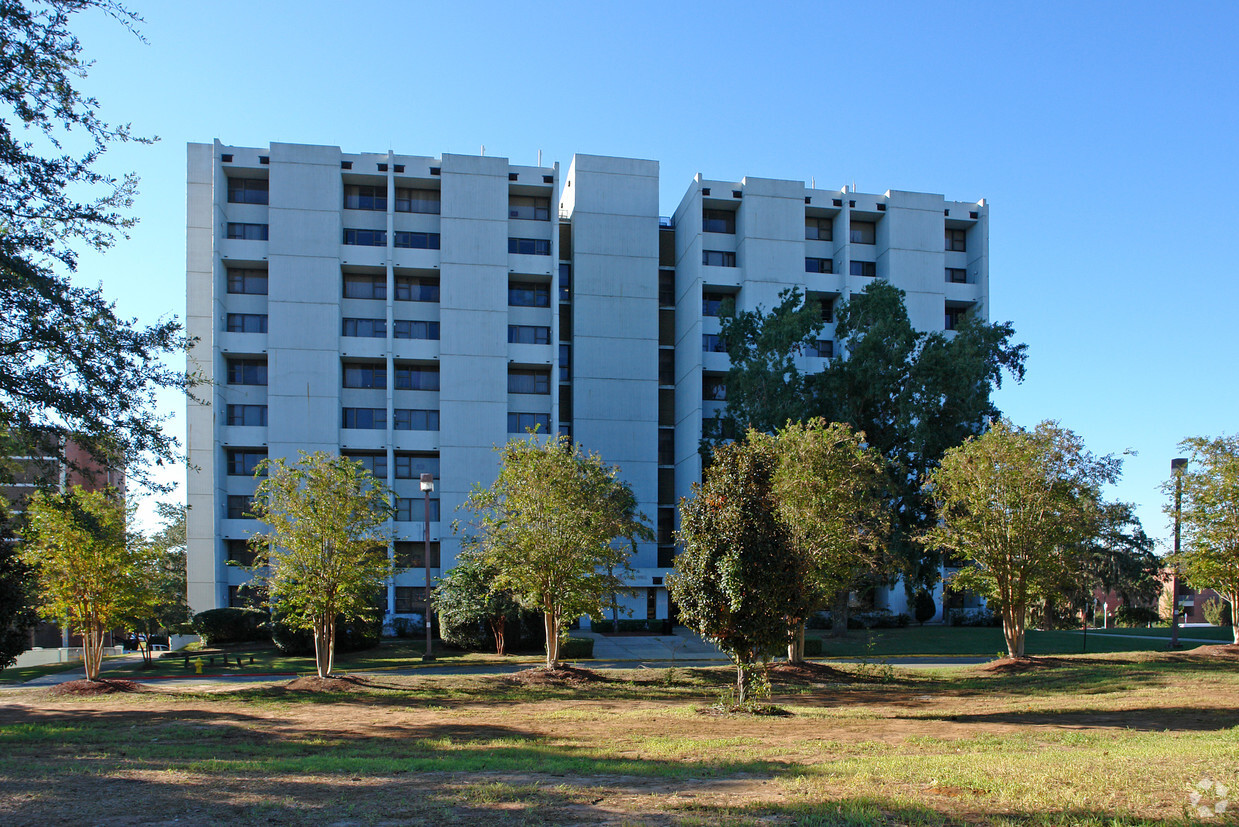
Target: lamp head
x: 428, y: 482
x: 1178, y: 466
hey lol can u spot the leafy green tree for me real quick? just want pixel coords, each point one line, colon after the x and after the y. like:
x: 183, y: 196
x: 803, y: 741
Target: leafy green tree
x: 1019, y: 505
x: 1210, y: 516
x: 324, y: 555
x: 828, y: 489
x: 736, y: 581
x: 465, y: 599
x: 1120, y: 559
x: 913, y: 394
x: 162, y: 605
x: 555, y: 527
x: 89, y: 567
x: 17, y: 595
x: 69, y: 364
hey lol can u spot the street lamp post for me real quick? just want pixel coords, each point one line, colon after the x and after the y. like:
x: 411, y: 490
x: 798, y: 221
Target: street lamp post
x: 428, y: 485
x: 1177, y: 467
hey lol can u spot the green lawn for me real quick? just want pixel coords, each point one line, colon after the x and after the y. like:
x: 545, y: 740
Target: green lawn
x: 955, y: 640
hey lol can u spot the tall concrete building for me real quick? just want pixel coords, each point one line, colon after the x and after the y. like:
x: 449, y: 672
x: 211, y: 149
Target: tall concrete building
x: 413, y: 312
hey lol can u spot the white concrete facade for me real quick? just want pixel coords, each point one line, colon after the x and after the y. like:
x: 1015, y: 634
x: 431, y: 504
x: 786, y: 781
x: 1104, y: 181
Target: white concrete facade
x: 416, y: 311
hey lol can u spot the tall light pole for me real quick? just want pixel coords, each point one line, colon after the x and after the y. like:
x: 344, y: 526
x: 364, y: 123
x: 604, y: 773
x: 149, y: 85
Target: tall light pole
x: 428, y: 485
x: 1177, y: 467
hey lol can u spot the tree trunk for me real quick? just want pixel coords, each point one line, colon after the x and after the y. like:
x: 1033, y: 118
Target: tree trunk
x: 795, y: 646
x: 1234, y: 621
x: 1013, y: 630
x: 550, y: 621
x: 92, y: 650
x: 1047, y: 616
x: 742, y: 686
x: 839, y: 614
x: 497, y: 626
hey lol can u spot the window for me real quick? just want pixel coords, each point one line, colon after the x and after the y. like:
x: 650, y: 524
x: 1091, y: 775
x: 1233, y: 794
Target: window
x: 365, y: 328
x: 519, y: 423
x: 828, y: 309
x: 527, y: 294
x: 408, y: 419
x: 411, y: 554
x: 413, y: 509
x: 863, y: 232
x: 712, y: 343
x: 365, y: 419
x: 712, y: 303
x: 565, y: 363
x: 526, y: 334
x: 529, y: 246
x: 416, y: 241
x: 819, y: 229
x: 410, y: 599
x: 417, y: 377
x: 365, y: 375
x: 373, y: 461
x: 247, y: 323
x: 957, y: 275
x: 238, y: 507
x: 528, y: 381
x: 666, y: 367
x: 819, y: 265
x: 955, y: 316
x: 718, y: 221
x: 565, y: 282
x: 412, y: 466
x: 239, y: 552
x: 956, y: 240
x: 366, y: 238
x: 713, y: 388
x: 247, y: 232
x: 666, y: 446
x: 532, y: 207
x: 416, y: 289
x: 245, y: 596
x: 824, y: 348
x: 247, y: 415
x: 864, y: 268
x: 718, y: 258
x: 253, y: 282
x: 666, y: 288
x: 247, y: 190
x: 247, y: 371
x: 407, y: 329
x: 362, y: 197
x: 423, y: 201
x: 243, y: 462
x: 364, y: 286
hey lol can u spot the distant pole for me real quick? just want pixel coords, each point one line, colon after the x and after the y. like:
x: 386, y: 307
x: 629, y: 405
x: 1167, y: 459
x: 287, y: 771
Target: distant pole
x: 428, y: 485
x: 1177, y: 467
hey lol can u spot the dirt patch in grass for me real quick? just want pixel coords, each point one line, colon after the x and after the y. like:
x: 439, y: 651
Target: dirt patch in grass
x: 807, y: 674
x: 1226, y: 650
x: 562, y: 676
x: 313, y: 683
x: 104, y: 686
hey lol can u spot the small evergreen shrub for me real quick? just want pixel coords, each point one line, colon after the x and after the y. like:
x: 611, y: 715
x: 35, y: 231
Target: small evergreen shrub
x: 1217, y: 612
x: 813, y: 647
x: 577, y: 648
x: 1136, y: 616
x: 230, y: 625
x: 351, y: 636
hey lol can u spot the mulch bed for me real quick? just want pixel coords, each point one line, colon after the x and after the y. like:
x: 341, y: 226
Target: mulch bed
x: 313, y: 683
x: 563, y: 676
x: 1225, y: 650
x: 104, y: 686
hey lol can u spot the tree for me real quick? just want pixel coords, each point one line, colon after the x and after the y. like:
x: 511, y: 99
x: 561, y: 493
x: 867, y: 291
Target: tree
x: 736, y: 581
x: 555, y: 527
x: 162, y: 602
x: 828, y: 489
x: 89, y: 567
x: 1120, y: 559
x: 465, y: 599
x: 17, y: 595
x: 325, y: 553
x: 913, y: 394
x: 1210, y: 516
x: 69, y: 365
x: 1019, y: 505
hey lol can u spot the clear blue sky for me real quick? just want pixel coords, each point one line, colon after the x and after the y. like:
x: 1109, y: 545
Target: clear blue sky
x: 1103, y: 134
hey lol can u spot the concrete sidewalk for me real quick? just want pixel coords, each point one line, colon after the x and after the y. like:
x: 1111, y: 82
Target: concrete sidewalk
x: 680, y: 645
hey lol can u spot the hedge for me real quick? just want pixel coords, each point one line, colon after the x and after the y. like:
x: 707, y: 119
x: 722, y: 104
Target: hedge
x: 217, y: 626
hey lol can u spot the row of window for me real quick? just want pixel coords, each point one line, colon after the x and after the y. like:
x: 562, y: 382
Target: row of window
x: 408, y: 509
x: 713, y: 343
x: 401, y: 239
x: 374, y: 286
x: 374, y: 198
x: 373, y: 375
x: 712, y: 302
x: 365, y: 197
x: 403, y: 419
x: 402, y: 329
x: 368, y: 286
x: 408, y: 466
x: 408, y: 554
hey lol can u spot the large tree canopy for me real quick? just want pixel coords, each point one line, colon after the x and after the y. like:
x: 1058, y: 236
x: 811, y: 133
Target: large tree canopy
x: 69, y: 364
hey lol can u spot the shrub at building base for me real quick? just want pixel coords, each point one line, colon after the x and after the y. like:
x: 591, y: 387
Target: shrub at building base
x: 923, y: 606
x: 523, y: 632
x: 577, y: 648
x: 1217, y: 612
x: 1136, y: 616
x: 351, y: 636
x: 216, y: 626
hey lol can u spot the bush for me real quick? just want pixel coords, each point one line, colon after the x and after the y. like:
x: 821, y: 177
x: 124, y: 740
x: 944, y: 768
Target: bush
x: 812, y: 647
x: 818, y: 620
x: 628, y: 624
x: 878, y: 619
x: 351, y: 636
x: 973, y: 617
x: 577, y: 648
x: 402, y: 627
x: 522, y: 633
x: 217, y: 626
x: 923, y: 606
x: 1217, y: 612
x: 1136, y: 616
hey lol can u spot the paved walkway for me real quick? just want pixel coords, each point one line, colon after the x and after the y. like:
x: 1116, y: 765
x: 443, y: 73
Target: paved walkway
x: 681, y: 645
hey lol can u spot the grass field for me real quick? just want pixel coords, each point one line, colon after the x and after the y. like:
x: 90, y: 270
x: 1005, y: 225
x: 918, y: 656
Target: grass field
x: 1102, y: 740
x: 952, y: 640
